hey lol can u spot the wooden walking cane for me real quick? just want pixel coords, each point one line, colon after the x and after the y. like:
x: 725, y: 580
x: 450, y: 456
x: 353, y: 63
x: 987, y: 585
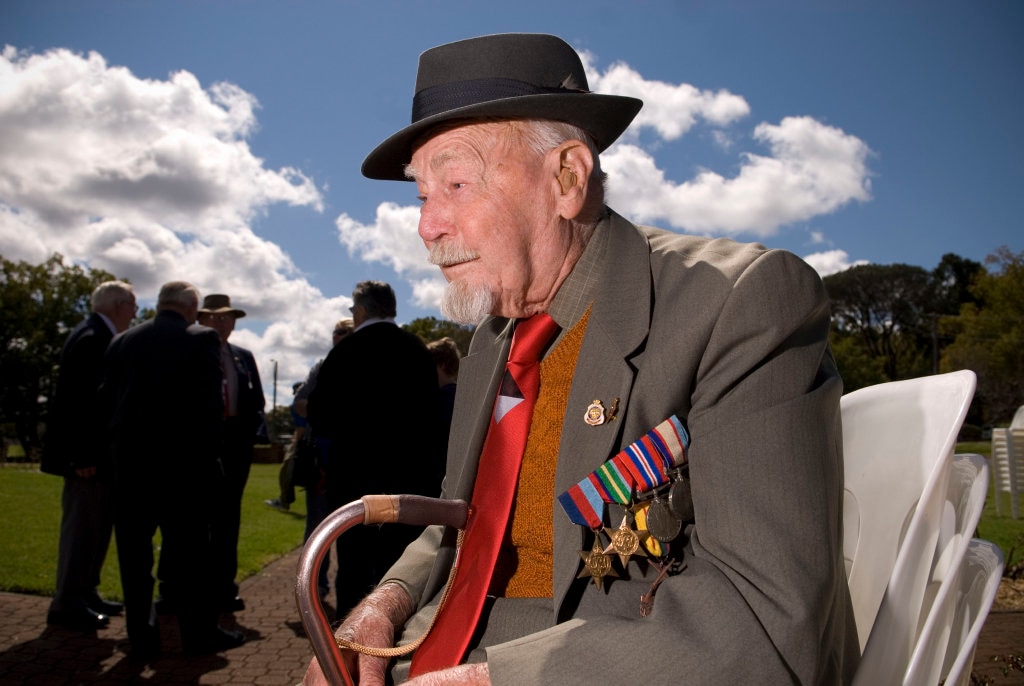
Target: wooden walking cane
x: 370, y: 509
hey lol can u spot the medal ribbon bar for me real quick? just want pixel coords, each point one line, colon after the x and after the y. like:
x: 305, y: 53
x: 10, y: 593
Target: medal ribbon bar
x: 642, y: 465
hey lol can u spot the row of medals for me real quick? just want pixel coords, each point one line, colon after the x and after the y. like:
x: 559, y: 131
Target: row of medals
x: 662, y: 513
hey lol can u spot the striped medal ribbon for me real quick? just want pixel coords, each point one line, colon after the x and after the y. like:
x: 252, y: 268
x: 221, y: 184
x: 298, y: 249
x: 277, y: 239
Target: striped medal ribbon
x: 643, y: 465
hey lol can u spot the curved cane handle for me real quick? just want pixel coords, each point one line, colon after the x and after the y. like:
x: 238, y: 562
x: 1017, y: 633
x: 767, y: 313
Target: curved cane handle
x: 370, y: 509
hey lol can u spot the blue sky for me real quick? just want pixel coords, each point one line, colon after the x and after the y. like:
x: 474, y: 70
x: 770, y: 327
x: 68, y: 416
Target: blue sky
x: 220, y: 141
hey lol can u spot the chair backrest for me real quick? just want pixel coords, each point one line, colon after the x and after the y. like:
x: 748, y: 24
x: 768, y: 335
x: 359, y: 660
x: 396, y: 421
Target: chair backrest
x: 981, y: 571
x: 897, y: 437
x: 1007, y: 462
x: 965, y: 499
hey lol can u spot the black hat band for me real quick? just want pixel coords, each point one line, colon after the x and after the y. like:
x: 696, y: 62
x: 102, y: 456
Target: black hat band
x: 451, y: 96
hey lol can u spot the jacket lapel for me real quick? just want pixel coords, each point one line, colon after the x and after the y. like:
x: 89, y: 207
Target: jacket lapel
x: 605, y: 371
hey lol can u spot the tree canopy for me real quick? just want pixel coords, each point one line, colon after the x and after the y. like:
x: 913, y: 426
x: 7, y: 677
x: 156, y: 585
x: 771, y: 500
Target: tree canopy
x: 39, y: 305
x: 988, y: 335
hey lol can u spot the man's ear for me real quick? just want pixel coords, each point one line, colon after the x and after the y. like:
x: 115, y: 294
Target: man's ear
x: 575, y: 164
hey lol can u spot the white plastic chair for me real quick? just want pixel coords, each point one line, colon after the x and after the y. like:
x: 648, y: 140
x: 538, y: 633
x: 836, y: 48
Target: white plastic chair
x: 1008, y: 467
x: 981, y: 572
x: 897, y: 441
x: 965, y: 499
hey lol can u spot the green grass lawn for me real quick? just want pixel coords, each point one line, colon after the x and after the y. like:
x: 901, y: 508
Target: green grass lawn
x: 30, y: 507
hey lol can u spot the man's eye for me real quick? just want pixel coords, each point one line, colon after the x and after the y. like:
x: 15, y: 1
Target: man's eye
x: 457, y: 185
x: 421, y: 198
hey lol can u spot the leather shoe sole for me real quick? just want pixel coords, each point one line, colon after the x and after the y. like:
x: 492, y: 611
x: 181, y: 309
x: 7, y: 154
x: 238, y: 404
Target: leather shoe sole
x: 77, y: 620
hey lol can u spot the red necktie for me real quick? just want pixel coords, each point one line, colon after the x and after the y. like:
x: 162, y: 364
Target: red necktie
x: 492, y: 499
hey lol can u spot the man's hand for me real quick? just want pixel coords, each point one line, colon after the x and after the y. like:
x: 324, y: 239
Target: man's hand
x: 371, y: 623
x: 86, y: 472
x: 475, y: 674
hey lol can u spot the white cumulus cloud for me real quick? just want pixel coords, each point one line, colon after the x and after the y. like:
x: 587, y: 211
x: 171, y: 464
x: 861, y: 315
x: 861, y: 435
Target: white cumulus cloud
x: 831, y: 262
x: 153, y: 180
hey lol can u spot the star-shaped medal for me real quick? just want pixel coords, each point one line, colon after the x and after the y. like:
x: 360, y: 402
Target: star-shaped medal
x: 625, y: 541
x: 598, y: 565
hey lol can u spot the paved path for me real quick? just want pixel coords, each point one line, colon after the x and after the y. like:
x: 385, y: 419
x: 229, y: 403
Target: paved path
x: 276, y: 652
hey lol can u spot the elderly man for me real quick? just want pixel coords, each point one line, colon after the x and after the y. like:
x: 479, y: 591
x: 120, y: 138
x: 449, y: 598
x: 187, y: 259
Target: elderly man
x: 243, y: 397
x: 677, y: 511
x: 76, y: 449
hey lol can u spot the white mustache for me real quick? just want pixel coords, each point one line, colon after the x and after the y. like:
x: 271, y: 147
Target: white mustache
x: 447, y: 254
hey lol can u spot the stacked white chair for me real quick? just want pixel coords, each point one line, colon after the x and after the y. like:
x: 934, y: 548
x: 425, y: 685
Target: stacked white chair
x: 965, y: 499
x: 979, y: 580
x: 1008, y: 466
x: 898, y: 442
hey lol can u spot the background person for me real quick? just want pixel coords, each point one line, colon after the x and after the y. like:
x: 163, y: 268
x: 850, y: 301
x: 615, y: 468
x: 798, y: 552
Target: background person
x: 76, y: 449
x: 725, y: 344
x: 445, y: 352
x: 376, y: 401
x: 244, y: 424
x: 318, y: 446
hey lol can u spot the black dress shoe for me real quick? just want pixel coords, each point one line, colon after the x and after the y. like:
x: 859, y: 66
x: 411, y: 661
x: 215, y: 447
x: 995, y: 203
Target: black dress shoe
x: 235, y: 604
x: 106, y: 607
x: 83, y: 619
x: 145, y: 645
x: 214, y: 642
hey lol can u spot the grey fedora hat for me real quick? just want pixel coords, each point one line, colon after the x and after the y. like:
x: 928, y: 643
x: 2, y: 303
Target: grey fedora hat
x: 511, y: 76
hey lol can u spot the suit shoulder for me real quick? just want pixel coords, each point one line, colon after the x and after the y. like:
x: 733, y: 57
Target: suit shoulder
x: 726, y: 256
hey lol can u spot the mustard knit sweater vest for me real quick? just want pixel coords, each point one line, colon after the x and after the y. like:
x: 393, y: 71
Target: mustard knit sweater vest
x: 523, y: 569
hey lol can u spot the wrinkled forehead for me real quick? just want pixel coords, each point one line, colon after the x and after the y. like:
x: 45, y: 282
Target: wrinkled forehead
x: 461, y: 142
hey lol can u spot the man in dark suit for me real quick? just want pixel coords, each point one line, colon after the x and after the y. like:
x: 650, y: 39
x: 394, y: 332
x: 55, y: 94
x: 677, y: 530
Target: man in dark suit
x: 376, y: 402
x: 243, y: 422
x: 162, y: 391
x: 75, y: 449
x: 737, y: 572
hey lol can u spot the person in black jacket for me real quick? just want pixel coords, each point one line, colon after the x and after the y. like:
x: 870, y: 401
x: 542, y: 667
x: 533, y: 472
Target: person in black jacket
x: 75, y: 450
x: 376, y: 401
x: 162, y: 391
x: 244, y: 421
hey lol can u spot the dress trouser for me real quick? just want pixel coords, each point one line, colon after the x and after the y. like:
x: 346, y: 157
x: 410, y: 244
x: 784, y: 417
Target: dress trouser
x: 236, y: 459
x: 86, y: 525
x: 166, y: 500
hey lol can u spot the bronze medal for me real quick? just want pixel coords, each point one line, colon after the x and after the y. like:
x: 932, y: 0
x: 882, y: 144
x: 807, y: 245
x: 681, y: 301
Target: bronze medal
x: 598, y: 565
x: 625, y: 542
x: 680, y: 500
x: 662, y: 522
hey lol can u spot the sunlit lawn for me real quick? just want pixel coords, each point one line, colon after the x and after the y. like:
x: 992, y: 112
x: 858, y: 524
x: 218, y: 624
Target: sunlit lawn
x: 30, y: 507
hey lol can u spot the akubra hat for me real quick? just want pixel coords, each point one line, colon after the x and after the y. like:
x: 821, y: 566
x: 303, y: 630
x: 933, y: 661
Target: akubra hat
x: 218, y: 303
x: 505, y: 76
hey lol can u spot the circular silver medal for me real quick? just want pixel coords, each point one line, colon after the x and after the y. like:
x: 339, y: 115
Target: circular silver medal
x: 680, y: 500
x: 662, y: 522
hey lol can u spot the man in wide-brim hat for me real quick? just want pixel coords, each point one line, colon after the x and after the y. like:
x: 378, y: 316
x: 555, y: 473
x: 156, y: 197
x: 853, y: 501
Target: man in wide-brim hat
x: 218, y: 303
x: 676, y: 513
x: 244, y: 426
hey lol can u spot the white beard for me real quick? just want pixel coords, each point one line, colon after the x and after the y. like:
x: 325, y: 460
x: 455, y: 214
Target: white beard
x: 466, y: 304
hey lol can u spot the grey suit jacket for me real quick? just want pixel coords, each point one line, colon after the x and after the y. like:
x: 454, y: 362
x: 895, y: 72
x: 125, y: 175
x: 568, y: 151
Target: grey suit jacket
x: 734, y: 339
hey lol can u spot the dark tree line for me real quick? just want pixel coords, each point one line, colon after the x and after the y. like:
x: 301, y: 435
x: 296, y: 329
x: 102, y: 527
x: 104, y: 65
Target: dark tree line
x: 899, y: 321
